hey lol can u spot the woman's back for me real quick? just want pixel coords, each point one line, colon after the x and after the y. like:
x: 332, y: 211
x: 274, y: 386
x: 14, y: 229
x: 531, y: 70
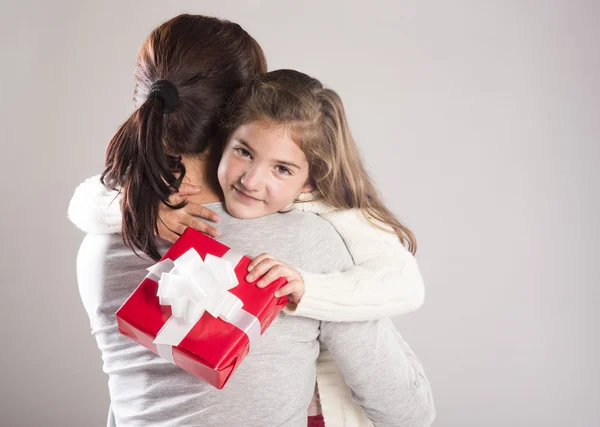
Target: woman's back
x: 148, y: 390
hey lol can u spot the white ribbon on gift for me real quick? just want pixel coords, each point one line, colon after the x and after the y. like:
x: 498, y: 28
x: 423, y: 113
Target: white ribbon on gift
x: 192, y: 287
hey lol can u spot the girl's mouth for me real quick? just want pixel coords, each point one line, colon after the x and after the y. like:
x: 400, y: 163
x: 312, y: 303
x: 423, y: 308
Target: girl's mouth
x: 244, y: 196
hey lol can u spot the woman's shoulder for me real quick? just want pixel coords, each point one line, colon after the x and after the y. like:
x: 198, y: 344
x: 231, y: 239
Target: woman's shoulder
x: 321, y: 242
x: 311, y: 223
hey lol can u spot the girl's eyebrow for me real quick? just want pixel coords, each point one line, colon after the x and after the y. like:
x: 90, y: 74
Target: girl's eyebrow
x: 241, y: 141
x: 279, y: 162
x: 283, y: 162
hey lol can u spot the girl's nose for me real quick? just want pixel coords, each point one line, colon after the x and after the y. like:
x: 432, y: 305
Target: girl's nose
x: 252, y: 180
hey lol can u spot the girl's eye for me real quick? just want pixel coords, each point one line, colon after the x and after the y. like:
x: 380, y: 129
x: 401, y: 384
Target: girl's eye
x: 242, y: 151
x: 283, y: 170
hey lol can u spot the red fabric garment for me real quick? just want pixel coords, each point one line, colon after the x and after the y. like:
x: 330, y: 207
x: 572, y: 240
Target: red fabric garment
x: 316, y: 421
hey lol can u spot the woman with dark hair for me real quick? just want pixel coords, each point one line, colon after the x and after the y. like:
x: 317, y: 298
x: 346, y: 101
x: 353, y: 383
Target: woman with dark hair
x: 186, y: 71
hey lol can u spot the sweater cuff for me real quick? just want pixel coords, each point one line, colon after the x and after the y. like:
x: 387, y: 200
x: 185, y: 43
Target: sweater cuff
x: 312, y: 304
x: 94, y: 208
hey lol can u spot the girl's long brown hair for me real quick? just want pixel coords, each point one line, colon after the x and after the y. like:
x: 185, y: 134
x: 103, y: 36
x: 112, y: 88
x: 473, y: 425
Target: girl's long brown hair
x: 316, y: 119
x: 206, y: 59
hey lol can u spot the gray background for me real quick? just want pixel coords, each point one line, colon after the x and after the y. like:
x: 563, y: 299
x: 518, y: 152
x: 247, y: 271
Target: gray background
x: 479, y: 121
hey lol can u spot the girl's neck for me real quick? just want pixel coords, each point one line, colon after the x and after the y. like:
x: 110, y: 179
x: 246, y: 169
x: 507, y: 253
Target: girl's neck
x: 197, y: 173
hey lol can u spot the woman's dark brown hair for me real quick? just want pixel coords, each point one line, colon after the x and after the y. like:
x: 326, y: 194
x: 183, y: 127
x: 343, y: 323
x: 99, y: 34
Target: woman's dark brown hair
x: 186, y: 69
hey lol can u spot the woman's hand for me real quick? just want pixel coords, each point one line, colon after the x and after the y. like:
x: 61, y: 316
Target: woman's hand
x: 173, y: 222
x: 274, y: 269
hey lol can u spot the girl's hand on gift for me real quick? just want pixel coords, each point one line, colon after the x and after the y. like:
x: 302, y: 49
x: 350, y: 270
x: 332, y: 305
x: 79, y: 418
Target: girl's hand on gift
x: 173, y: 222
x: 274, y: 269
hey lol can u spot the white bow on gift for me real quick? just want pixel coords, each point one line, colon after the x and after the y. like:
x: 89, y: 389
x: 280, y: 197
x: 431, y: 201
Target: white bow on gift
x: 191, y: 287
x: 194, y: 286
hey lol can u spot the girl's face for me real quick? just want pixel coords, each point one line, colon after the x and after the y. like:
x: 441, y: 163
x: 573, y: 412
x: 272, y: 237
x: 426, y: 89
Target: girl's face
x: 262, y: 170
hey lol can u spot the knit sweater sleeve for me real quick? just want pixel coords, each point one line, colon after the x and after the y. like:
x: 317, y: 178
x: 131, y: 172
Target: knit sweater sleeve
x: 384, y: 282
x: 94, y: 208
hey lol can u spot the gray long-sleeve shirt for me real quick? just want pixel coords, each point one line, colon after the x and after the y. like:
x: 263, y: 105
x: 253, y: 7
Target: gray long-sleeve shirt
x: 274, y: 384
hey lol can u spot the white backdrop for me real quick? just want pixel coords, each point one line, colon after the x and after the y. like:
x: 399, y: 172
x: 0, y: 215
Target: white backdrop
x: 479, y: 121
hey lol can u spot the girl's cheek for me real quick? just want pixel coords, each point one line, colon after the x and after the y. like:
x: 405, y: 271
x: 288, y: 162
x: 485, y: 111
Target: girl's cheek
x: 234, y: 166
x: 223, y: 166
x: 228, y: 162
x: 278, y: 189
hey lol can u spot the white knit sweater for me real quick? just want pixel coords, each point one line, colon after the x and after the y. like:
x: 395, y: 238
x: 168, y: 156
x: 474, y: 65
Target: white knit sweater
x: 384, y: 282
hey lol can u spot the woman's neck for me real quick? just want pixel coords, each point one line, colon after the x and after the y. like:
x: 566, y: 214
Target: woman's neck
x: 197, y: 173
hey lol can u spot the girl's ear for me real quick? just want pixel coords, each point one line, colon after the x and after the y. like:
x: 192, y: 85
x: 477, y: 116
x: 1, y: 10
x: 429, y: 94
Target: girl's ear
x: 308, y: 187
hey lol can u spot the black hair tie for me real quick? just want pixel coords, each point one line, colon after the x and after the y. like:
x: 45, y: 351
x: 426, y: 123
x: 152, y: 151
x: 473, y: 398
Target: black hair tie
x: 168, y: 92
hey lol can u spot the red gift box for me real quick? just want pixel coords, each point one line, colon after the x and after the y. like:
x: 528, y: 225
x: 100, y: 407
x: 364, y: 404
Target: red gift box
x: 213, y: 348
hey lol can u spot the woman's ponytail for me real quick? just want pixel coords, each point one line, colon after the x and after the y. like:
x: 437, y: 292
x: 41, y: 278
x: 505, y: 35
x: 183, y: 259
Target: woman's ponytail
x: 139, y: 167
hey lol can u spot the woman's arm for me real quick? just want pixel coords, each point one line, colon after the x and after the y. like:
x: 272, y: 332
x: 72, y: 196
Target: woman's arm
x: 384, y: 282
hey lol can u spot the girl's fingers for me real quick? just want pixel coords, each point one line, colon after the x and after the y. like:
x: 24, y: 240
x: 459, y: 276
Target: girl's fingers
x: 293, y: 289
x: 292, y: 306
x: 257, y: 260
x: 203, y: 227
x: 275, y: 273
x: 197, y: 210
x: 166, y: 234
x: 263, y: 268
x: 169, y: 236
x: 178, y: 228
x: 188, y: 190
x: 175, y: 199
x: 171, y: 219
